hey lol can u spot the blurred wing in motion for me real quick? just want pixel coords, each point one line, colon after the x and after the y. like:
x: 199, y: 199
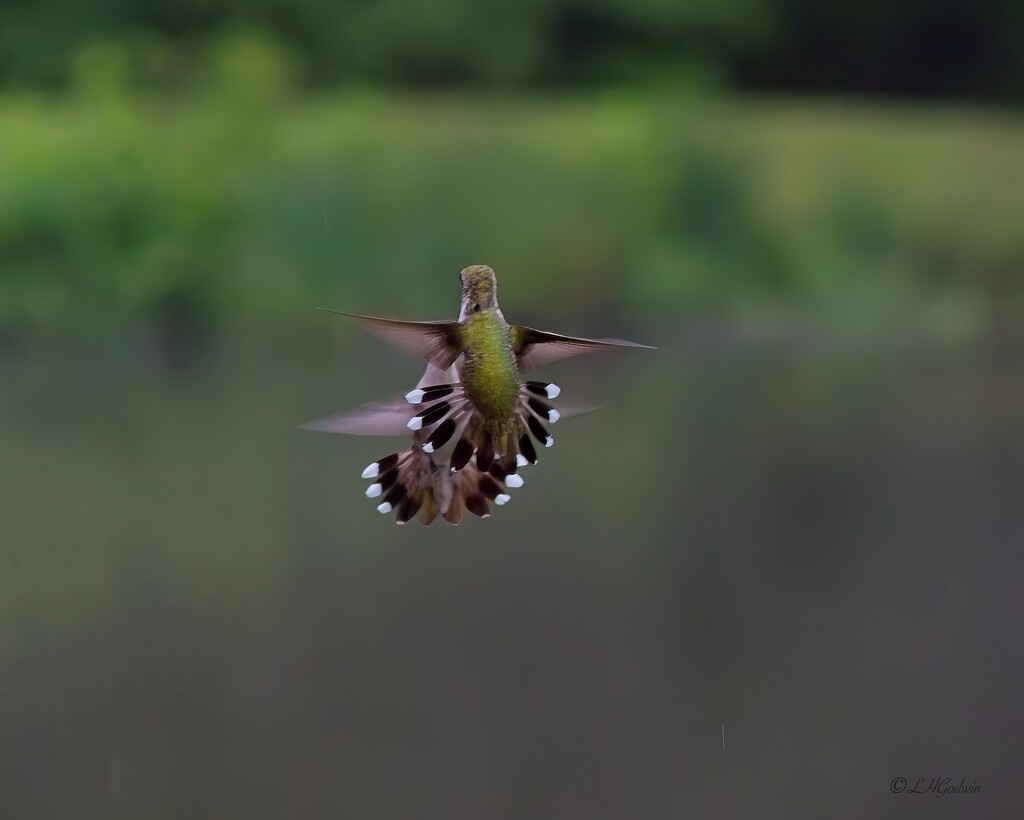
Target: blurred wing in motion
x: 379, y: 418
x: 437, y: 342
x: 534, y: 348
x: 389, y: 417
x: 573, y: 411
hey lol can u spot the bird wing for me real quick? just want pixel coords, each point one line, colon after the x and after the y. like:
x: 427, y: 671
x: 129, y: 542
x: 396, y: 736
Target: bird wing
x: 378, y: 418
x: 534, y: 348
x: 571, y: 411
x: 437, y: 342
x: 434, y: 376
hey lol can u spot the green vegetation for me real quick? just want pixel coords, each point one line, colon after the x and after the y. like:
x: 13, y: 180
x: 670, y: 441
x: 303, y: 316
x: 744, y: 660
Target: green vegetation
x: 245, y: 202
x: 954, y: 49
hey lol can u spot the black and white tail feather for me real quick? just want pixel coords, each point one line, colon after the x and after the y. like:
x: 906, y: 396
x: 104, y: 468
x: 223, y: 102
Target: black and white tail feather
x: 451, y: 466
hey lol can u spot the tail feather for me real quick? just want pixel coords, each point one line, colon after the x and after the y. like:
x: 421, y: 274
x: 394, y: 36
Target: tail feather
x: 445, y: 415
x: 428, y: 512
x: 484, y: 450
x: 408, y: 508
x: 452, y: 466
x: 477, y: 505
x: 462, y: 453
x: 413, y: 482
x: 526, y: 448
x: 441, y: 435
x: 453, y: 515
x: 538, y: 431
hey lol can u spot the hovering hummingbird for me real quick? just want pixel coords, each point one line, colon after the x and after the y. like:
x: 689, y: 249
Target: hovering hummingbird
x: 471, y: 415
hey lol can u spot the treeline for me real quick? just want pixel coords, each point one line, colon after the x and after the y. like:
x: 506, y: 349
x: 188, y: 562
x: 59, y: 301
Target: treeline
x: 955, y: 48
x: 224, y: 207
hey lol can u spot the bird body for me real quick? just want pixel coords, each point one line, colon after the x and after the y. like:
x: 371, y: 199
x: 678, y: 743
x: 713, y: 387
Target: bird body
x: 471, y: 415
x: 489, y: 372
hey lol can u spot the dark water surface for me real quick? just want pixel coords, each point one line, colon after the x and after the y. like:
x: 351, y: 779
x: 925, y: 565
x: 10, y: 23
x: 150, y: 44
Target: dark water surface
x: 811, y: 537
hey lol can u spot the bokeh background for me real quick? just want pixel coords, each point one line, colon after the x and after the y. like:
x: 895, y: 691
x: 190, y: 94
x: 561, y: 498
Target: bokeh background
x: 797, y: 526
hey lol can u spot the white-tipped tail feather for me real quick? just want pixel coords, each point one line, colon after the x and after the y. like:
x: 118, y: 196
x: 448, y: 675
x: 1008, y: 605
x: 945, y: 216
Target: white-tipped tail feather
x: 417, y: 482
x: 453, y: 464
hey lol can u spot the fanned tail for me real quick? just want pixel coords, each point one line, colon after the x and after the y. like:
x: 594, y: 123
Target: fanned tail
x: 452, y: 464
x: 412, y: 482
x: 515, y: 449
x: 535, y: 410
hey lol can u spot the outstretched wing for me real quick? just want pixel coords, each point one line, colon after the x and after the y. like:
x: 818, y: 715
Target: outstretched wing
x: 534, y: 348
x: 378, y: 418
x: 388, y: 417
x: 437, y: 342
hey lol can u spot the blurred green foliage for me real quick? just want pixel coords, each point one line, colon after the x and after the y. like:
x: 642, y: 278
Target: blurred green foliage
x: 244, y: 201
x: 960, y: 48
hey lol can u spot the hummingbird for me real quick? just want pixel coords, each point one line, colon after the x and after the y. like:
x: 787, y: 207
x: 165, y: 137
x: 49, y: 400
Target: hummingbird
x: 472, y: 415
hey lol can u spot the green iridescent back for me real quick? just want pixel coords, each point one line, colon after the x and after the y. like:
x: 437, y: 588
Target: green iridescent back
x: 489, y: 373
